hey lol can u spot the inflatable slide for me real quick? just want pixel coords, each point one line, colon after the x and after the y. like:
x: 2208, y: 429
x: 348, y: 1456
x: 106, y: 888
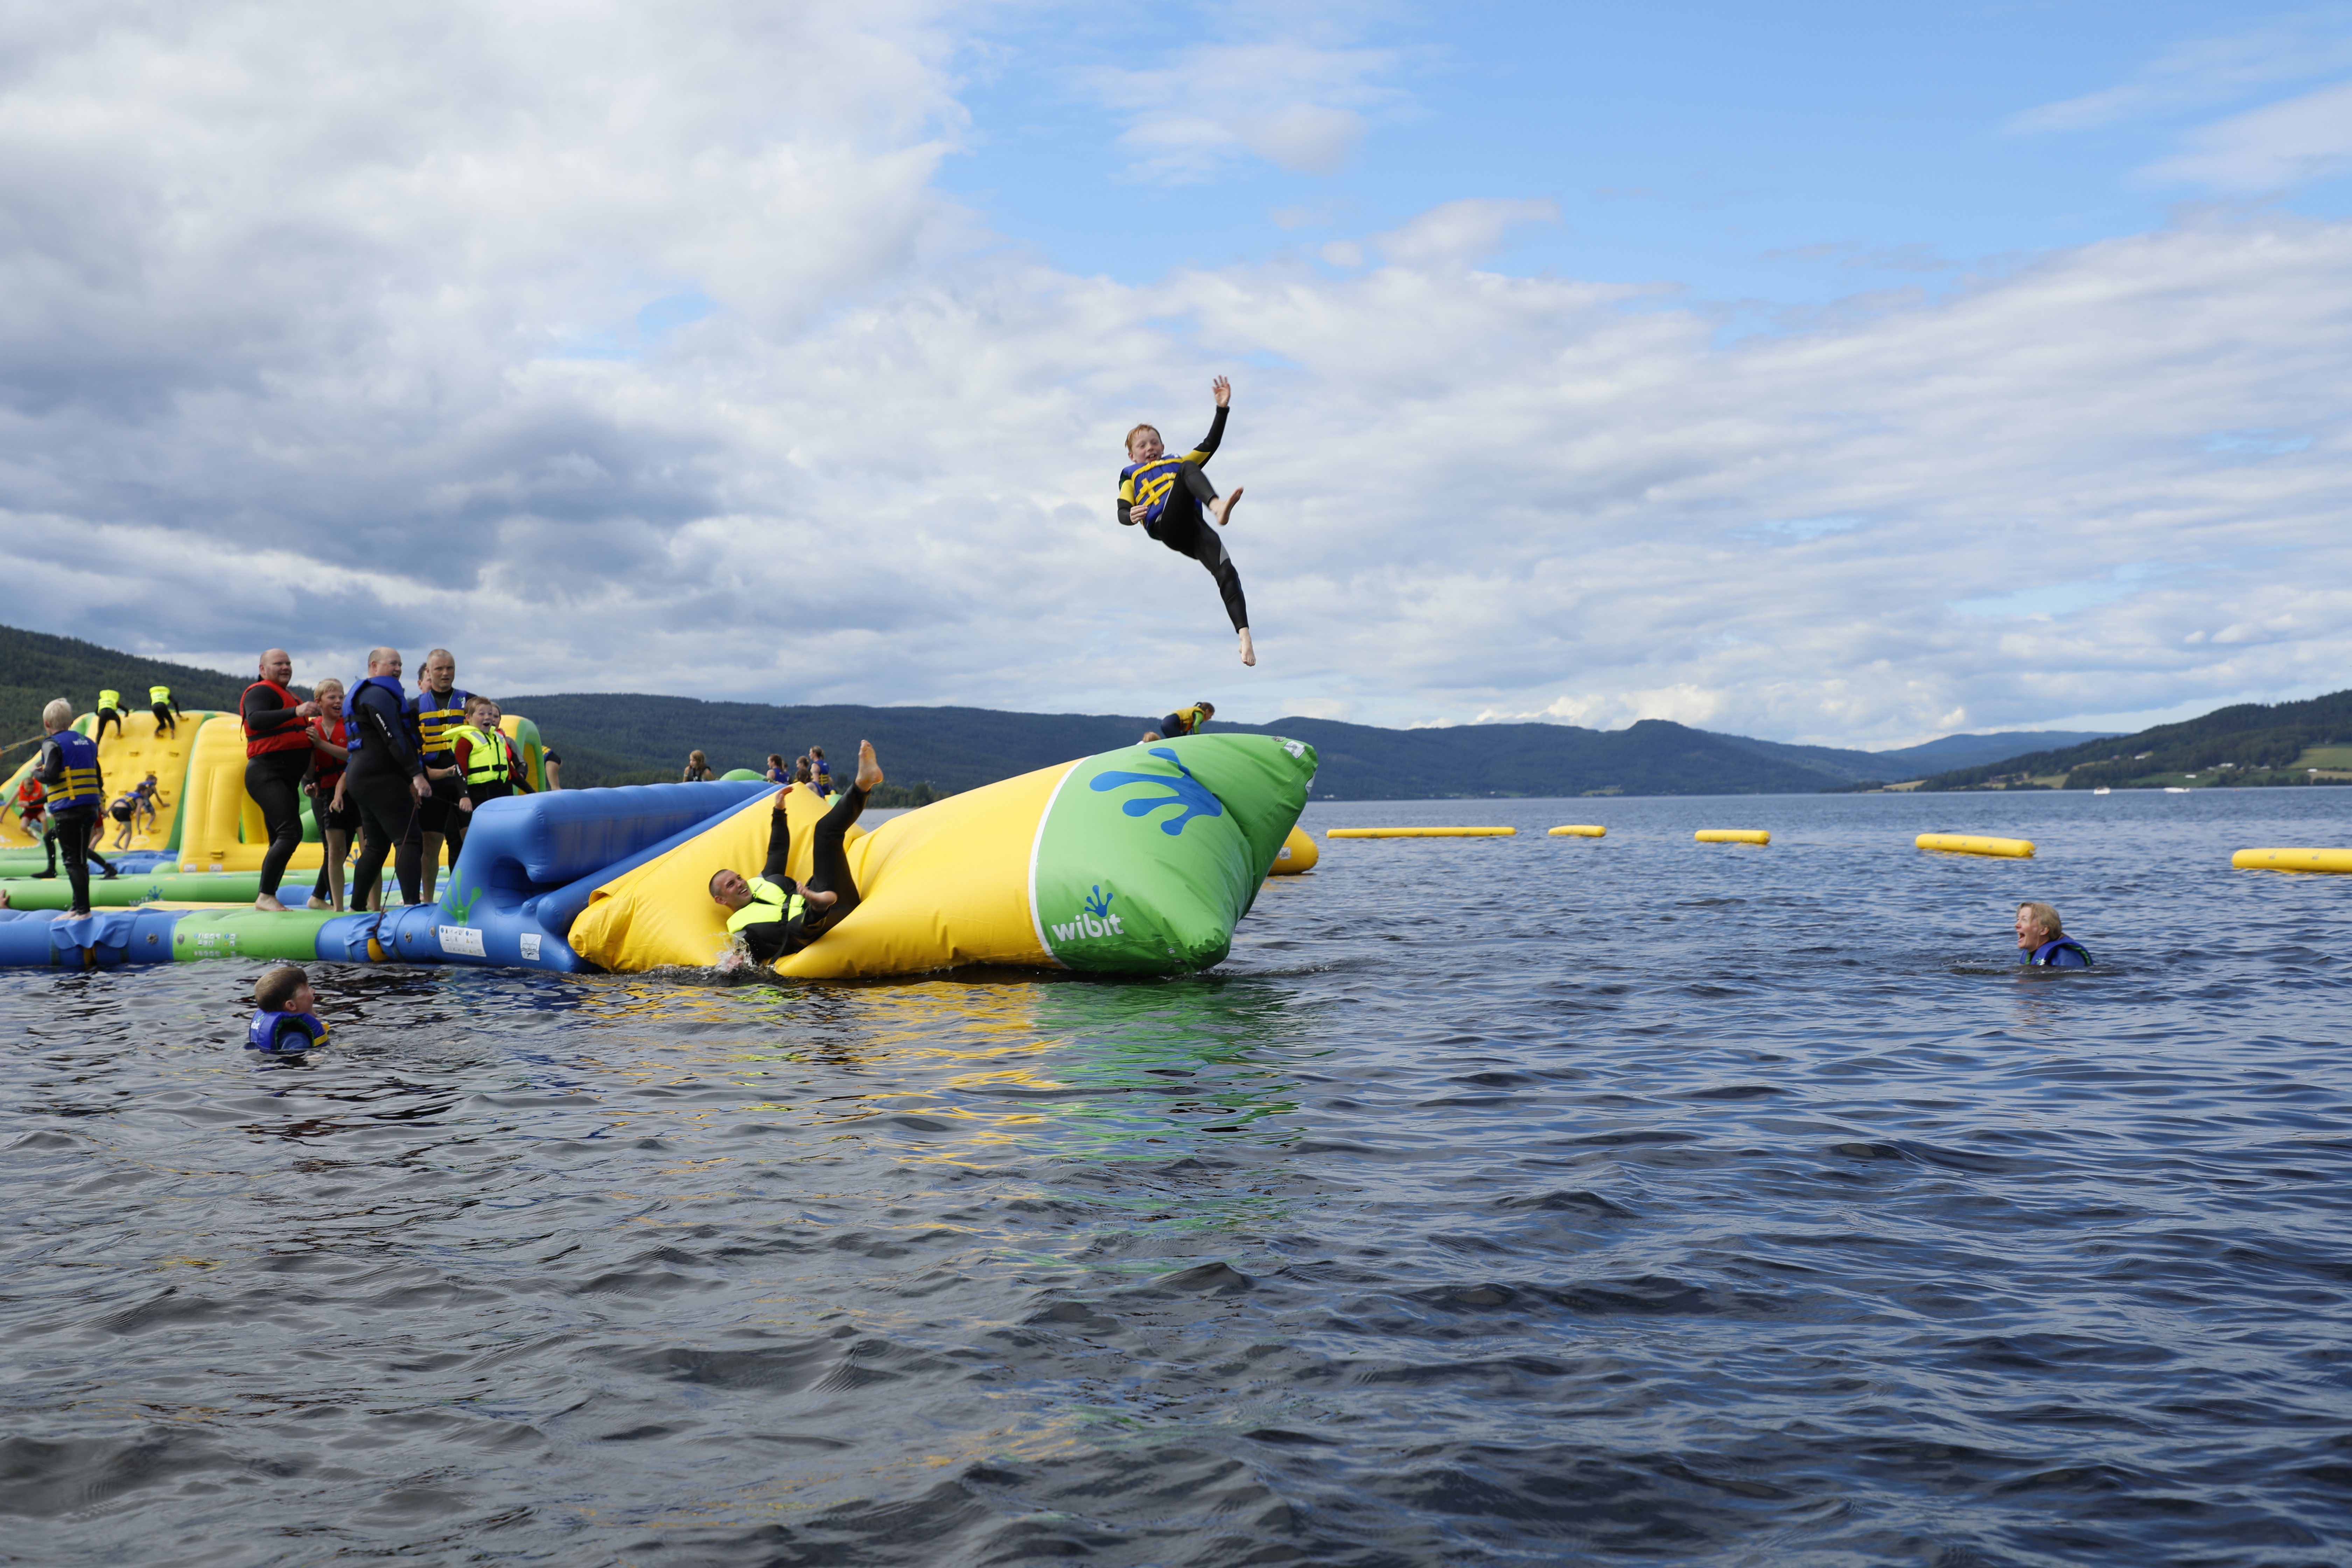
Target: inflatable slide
x: 1136, y: 861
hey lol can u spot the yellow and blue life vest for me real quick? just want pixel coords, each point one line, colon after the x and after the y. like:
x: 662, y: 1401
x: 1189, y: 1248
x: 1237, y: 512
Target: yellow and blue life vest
x: 431, y: 718
x: 1145, y: 487
x: 81, y: 785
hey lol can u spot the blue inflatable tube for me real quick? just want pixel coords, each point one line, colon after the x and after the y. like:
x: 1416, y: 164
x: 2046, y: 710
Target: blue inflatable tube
x: 532, y: 862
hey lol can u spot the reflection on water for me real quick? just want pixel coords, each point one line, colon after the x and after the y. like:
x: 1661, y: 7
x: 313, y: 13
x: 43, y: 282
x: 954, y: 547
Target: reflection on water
x: 1515, y: 1201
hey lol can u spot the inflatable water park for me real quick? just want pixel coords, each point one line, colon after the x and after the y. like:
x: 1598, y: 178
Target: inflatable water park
x: 1136, y: 861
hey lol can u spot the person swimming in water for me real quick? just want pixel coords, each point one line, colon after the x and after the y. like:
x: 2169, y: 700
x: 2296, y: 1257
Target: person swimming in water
x: 2043, y: 944
x: 1172, y: 500
x: 775, y: 916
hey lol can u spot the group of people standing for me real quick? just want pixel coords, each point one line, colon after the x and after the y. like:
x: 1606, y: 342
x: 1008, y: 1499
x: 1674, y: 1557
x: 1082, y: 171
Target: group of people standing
x: 402, y: 774
x: 399, y: 774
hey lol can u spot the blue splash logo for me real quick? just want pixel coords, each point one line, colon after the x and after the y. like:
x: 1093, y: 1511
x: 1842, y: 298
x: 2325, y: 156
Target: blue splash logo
x: 1187, y: 792
x: 1097, y: 920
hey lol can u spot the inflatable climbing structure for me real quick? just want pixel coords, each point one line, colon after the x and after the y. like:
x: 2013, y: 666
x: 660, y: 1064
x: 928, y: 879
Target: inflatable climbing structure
x: 1137, y: 861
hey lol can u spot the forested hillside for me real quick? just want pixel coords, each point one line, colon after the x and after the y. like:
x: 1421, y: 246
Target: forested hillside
x: 2251, y: 743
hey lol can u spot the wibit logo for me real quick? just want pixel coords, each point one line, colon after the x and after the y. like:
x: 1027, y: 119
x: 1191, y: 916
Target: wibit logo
x: 1187, y: 792
x: 1097, y: 920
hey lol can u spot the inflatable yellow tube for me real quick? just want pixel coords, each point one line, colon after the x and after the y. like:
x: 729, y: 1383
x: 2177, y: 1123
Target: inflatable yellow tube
x: 1298, y: 854
x: 1135, y: 861
x: 1732, y: 835
x: 1579, y: 830
x: 220, y: 828
x: 2293, y: 859
x: 1976, y: 844
x: 1420, y: 832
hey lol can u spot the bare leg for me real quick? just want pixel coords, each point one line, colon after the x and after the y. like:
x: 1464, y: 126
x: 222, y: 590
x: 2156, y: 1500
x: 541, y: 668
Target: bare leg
x: 1249, y: 649
x: 429, y: 870
x: 337, y: 841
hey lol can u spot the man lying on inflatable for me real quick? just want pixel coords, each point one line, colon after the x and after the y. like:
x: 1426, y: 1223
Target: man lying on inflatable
x: 773, y: 915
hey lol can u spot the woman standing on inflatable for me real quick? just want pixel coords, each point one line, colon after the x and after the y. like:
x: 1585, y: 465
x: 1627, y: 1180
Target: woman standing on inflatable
x: 1168, y: 496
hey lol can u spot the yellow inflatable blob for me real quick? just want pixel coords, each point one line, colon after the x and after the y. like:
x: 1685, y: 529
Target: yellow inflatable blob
x: 2293, y: 859
x: 1976, y: 844
x: 220, y: 828
x: 1298, y: 854
x: 1579, y: 831
x: 1732, y: 835
x: 1420, y: 832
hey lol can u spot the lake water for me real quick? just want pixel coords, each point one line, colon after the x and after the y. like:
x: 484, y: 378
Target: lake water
x: 1524, y: 1201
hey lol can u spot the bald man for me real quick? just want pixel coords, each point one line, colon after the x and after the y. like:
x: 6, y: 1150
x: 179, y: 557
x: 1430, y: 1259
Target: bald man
x: 276, y: 755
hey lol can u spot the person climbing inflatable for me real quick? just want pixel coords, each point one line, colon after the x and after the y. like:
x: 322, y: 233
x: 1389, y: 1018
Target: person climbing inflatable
x: 1168, y: 497
x: 773, y: 914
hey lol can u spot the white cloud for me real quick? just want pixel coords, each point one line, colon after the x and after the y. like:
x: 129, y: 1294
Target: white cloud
x: 286, y: 362
x: 2200, y: 74
x: 2291, y: 143
x: 1293, y: 103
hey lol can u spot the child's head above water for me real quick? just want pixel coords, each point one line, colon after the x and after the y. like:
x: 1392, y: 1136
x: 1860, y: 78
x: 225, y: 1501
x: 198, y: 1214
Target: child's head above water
x: 285, y: 990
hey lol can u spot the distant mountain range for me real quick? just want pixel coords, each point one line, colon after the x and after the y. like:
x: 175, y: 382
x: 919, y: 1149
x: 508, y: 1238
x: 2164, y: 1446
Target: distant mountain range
x: 624, y: 738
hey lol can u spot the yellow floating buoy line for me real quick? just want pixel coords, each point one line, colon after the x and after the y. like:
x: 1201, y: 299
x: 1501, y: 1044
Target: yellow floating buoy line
x: 1732, y: 835
x: 1420, y: 832
x: 1976, y: 844
x: 1579, y: 830
x: 2293, y: 859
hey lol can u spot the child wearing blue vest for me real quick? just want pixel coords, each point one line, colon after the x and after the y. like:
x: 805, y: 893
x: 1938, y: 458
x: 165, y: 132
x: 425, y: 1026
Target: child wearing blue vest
x: 2042, y: 942
x: 285, y: 1021
x: 1174, y: 502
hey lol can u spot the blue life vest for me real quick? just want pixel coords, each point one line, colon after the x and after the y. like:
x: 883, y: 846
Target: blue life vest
x: 283, y: 1034
x: 1148, y: 486
x: 351, y: 705
x: 2054, y: 955
x: 430, y: 720
x: 80, y: 786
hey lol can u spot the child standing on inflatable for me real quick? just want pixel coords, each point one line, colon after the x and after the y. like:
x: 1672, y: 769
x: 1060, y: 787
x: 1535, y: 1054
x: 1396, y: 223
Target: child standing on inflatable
x: 1169, y: 496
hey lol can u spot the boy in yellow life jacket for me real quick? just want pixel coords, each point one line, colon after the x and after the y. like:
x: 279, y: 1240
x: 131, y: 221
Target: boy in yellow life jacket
x: 110, y: 712
x: 1172, y: 500
x: 773, y: 915
x: 166, y: 711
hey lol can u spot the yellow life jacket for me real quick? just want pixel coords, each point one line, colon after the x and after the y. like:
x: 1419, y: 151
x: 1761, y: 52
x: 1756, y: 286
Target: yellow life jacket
x: 486, y: 757
x: 1192, y: 719
x: 768, y: 902
x: 107, y: 700
x: 159, y: 694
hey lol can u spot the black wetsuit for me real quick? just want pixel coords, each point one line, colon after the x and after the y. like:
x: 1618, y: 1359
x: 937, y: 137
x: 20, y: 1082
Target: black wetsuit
x: 828, y: 873
x: 107, y: 716
x: 437, y: 812
x: 167, y: 716
x: 375, y: 782
x: 274, y: 780
x: 1182, y: 527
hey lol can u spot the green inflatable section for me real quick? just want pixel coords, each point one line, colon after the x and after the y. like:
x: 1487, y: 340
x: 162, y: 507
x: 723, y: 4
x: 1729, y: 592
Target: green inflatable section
x: 1149, y: 857
x: 179, y: 886
x: 248, y: 933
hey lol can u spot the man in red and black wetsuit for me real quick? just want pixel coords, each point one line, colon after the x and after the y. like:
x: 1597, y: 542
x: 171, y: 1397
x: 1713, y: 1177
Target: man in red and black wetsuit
x: 276, y: 755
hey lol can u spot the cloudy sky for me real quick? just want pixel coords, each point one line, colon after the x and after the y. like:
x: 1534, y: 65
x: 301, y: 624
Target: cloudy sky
x: 1810, y: 371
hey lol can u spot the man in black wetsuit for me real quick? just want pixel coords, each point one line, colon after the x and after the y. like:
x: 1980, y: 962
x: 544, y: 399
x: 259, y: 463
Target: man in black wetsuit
x: 276, y: 755
x: 1168, y: 495
x: 773, y: 915
x: 384, y: 777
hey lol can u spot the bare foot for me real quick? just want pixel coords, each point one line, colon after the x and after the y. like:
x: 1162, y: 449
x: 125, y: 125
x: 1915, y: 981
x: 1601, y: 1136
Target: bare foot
x: 820, y: 900
x: 1249, y: 649
x: 4, y: 898
x: 271, y: 905
x: 316, y: 903
x: 869, y: 772
x: 1222, y: 508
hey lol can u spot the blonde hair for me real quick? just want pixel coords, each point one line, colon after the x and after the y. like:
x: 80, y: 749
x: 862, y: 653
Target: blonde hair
x: 57, y: 714
x: 2045, y: 918
x: 275, y: 989
x: 1129, y: 443
x: 321, y: 689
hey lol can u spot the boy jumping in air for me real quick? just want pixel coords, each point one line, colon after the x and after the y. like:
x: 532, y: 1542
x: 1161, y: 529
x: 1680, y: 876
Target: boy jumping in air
x: 1169, y: 496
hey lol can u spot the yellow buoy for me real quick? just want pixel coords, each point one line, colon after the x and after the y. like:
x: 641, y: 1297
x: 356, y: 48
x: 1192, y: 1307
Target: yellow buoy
x: 1420, y: 832
x: 1579, y: 831
x: 1298, y: 854
x: 2293, y: 859
x: 1732, y: 835
x: 1976, y: 844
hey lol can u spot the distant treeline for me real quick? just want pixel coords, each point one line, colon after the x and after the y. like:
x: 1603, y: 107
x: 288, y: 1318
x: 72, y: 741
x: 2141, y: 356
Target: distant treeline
x: 2250, y: 743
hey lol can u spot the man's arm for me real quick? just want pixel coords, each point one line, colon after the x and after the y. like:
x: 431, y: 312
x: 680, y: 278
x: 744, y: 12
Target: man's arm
x: 383, y: 717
